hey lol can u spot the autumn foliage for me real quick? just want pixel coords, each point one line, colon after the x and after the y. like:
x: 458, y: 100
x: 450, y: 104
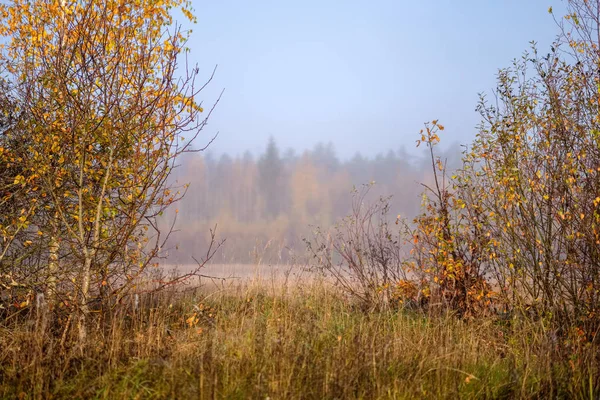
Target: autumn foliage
x: 492, y: 290
x: 517, y: 226
x: 96, y: 110
x: 515, y: 230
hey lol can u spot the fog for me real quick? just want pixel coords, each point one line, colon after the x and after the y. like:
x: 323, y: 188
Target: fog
x: 324, y: 97
x: 264, y: 207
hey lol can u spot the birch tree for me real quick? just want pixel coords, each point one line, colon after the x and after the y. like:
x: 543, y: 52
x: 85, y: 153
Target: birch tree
x: 107, y: 104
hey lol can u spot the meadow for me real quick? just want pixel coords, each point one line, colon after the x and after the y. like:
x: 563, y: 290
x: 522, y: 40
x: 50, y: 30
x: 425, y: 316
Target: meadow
x: 264, y: 337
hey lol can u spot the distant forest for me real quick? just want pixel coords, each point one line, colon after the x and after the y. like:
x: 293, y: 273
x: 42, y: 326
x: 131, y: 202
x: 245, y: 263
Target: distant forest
x: 264, y: 206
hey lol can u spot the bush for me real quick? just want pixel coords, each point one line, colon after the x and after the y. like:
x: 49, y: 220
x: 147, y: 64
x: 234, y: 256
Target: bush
x: 362, y: 254
x: 517, y: 228
x: 522, y: 214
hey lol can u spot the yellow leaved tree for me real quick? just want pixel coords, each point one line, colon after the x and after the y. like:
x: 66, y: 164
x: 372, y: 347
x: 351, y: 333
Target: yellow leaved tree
x: 103, y: 109
x: 520, y: 220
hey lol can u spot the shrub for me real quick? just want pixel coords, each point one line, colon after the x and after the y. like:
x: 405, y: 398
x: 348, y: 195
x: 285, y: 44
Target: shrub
x: 362, y: 254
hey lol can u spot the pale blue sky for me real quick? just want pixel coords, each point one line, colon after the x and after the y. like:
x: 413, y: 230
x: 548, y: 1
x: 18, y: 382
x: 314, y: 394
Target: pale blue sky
x: 362, y: 74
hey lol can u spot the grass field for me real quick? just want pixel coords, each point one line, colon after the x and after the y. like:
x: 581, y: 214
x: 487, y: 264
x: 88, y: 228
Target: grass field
x: 255, y: 339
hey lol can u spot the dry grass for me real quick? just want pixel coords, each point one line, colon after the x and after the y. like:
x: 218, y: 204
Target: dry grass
x: 285, y: 342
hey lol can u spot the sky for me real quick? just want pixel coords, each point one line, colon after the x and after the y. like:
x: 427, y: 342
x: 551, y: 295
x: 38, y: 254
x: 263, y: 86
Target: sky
x: 364, y: 75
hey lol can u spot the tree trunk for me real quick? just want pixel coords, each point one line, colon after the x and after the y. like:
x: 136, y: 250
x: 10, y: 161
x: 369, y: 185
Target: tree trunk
x: 53, y: 249
x: 84, y: 309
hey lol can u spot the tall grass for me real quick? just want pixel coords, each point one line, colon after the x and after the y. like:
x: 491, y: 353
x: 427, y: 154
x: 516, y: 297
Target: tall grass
x: 285, y: 342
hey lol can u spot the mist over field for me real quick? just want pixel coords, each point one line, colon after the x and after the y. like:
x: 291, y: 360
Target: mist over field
x: 265, y: 206
x: 322, y: 97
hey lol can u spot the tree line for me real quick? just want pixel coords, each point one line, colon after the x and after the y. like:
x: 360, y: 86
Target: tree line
x: 265, y: 205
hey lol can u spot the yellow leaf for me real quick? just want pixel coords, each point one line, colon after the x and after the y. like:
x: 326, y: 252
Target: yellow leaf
x: 19, y: 179
x: 191, y: 321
